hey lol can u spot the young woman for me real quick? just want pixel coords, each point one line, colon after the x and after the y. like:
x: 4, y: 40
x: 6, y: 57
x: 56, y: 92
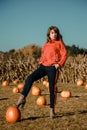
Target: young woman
x: 53, y: 57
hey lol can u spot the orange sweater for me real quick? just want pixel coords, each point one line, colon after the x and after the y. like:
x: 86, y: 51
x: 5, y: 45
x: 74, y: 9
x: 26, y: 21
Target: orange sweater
x: 53, y: 53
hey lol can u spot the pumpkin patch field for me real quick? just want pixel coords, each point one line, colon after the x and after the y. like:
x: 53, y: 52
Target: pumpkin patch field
x: 71, y: 111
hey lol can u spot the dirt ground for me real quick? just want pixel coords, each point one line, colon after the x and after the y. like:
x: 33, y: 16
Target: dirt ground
x: 71, y: 113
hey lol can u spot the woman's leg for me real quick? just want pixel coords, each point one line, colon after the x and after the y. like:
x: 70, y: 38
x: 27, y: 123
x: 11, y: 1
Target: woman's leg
x: 55, y: 87
x: 37, y: 74
x: 52, y: 78
x: 51, y: 73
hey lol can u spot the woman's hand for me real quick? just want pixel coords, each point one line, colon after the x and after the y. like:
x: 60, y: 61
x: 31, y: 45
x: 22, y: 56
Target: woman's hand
x: 57, y: 66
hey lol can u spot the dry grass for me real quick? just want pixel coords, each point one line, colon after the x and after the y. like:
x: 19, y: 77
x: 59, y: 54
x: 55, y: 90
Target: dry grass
x: 71, y: 114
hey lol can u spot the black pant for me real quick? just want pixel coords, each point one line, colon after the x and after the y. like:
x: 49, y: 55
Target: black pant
x: 40, y: 72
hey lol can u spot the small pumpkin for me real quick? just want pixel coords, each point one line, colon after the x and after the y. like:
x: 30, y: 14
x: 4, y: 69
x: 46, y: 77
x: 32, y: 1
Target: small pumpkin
x: 5, y: 83
x: 80, y: 82
x: 65, y: 94
x: 36, y: 91
x: 47, y: 84
x: 41, y: 101
x: 15, y: 81
x: 15, y: 90
x: 20, y: 86
x: 44, y: 82
x: 86, y: 86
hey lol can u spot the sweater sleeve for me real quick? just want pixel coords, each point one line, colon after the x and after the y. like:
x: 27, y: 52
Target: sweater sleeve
x: 63, y: 54
x: 41, y: 58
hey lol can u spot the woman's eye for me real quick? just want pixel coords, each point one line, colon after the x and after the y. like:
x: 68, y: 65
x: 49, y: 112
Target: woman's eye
x: 52, y: 33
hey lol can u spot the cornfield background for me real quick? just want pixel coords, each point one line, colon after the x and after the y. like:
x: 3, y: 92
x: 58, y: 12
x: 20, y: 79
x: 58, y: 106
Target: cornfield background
x: 19, y: 64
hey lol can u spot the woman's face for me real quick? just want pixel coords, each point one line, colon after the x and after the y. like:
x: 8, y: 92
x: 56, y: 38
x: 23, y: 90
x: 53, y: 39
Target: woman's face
x: 53, y: 35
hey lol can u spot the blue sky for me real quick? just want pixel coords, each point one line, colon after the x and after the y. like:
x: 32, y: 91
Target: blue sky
x: 24, y: 22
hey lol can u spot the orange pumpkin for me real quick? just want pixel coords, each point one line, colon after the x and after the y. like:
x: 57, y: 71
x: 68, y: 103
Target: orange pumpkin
x: 65, y: 94
x: 15, y: 81
x: 15, y: 90
x: 47, y: 84
x: 41, y: 101
x: 80, y: 82
x: 36, y: 91
x: 44, y: 82
x: 86, y: 86
x: 20, y: 86
x: 13, y: 114
x: 5, y: 83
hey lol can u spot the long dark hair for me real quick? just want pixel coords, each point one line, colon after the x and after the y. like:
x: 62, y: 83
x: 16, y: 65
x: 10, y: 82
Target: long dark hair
x: 56, y: 30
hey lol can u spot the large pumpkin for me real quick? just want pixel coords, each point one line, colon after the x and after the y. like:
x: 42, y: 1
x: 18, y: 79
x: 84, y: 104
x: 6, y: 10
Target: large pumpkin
x: 13, y: 114
x: 36, y: 91
x: 65, y: 94
x: 41, y: 101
